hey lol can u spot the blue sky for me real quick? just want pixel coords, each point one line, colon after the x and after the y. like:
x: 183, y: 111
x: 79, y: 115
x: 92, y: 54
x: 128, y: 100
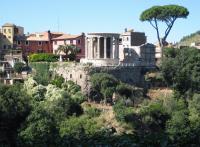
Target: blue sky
x: 76, y: 16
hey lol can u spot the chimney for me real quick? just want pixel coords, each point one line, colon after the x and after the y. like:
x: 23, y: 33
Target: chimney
x: 49, y: 35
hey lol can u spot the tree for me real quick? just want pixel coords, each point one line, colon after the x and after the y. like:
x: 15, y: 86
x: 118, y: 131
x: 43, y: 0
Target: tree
x: 58, y: 81
x: 14, y: 108
x: 104, y: 83
x: 18, y: 67
x: 167, y: 14
x: 69, y: 50
x: 39, y: 130
x: 181, y: 72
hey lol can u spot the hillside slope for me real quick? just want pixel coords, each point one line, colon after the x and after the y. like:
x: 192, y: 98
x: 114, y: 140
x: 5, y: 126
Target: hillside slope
x: 187, y: 40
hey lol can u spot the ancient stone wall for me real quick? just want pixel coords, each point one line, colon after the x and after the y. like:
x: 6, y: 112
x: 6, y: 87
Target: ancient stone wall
x: 80, y: 73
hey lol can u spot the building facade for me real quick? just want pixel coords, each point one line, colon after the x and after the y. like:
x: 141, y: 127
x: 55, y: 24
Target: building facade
x: 134, y: 49
x: 9, y: 34
x: 38, y: 43
x: 67, y: 39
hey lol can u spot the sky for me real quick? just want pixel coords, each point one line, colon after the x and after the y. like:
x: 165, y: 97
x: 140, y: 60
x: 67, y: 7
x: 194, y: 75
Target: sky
x: 77, y: 16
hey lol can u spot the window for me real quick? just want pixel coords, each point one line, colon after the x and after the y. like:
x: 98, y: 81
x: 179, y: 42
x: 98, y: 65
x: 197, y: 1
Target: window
x: 9, y: 30
x: 4, y: 30
x: 18, y: 42
x: 127, y: 38
x: 80, y: 76
x: 4, y: 46
x: 55, y: 42
x: 9, y: 37
x: 79, y: 41
x: 9, y: 46
x: 26, y: 43
x: 46, y: 42
x: 70, y: 76
x: 39, y: 43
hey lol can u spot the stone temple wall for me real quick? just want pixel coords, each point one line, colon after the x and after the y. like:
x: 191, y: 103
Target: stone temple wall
x: 80, y: 73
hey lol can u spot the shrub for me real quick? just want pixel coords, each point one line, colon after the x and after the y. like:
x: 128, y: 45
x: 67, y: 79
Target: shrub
x: 92, y: 112
x: 122, y: 112
x: 18, y: 67
x: 71, y: 87
x: 124, y: 90
x: 78, y: 97
x: 104, y: 83
x: 58, y: 81
x: 43, y: 57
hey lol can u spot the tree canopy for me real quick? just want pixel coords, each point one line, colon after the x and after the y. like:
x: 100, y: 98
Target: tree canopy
x: 167, y: 14
x: 180, y: 70
x: 69, y: 50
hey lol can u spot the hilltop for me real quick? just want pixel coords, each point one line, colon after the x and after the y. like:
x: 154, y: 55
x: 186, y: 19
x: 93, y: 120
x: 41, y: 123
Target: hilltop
x: 187, y: 40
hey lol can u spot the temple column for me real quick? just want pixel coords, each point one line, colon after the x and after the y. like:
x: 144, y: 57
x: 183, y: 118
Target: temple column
x: 86, y: 48
x: 105, y: 48
x: 98, y: 47
x: 92, y: 47
x: 116, y: 48
x: 111, y: 47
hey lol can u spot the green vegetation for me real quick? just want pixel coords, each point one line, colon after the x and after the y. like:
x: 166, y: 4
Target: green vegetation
x: 14, y: 108
x: 69, y: 50
x: 180, y: 70
x: 187, y: 40
x: 19, y: 67
x: 41, y: 72
x: 58, y: 81
x: 104, y: 86
x: 49, y: 111
x: 43, y: 57
x: 167, y: 14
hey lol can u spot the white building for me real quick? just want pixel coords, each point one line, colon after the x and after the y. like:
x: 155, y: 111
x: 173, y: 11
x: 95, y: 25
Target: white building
x: 102, y: 49
x: 134, y: 50
x: 112, y: 49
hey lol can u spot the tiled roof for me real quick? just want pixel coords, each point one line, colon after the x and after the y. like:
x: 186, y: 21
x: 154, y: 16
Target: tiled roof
x: 43, y: 36
x: 38, y: 37
x: 66, y: 36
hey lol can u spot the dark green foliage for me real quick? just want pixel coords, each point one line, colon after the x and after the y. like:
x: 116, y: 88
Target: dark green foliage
x: 43, y: 57
x: 124, y: 90
x: 167, y: 14
x: 58, y: 81
x: 154, y: 116
x: 164, y: 13
x: 92, y: 112
x: 74, y: 91
x: 105, y: 84
x: 71, y: 87
x: 102, y: 81
x: 18, y: 67
x: 14, y: 108
x: 78, y: 97
x: 42, y: 74
x: 122, y: 112
x: 182, y: 72
x: 39, y: 130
